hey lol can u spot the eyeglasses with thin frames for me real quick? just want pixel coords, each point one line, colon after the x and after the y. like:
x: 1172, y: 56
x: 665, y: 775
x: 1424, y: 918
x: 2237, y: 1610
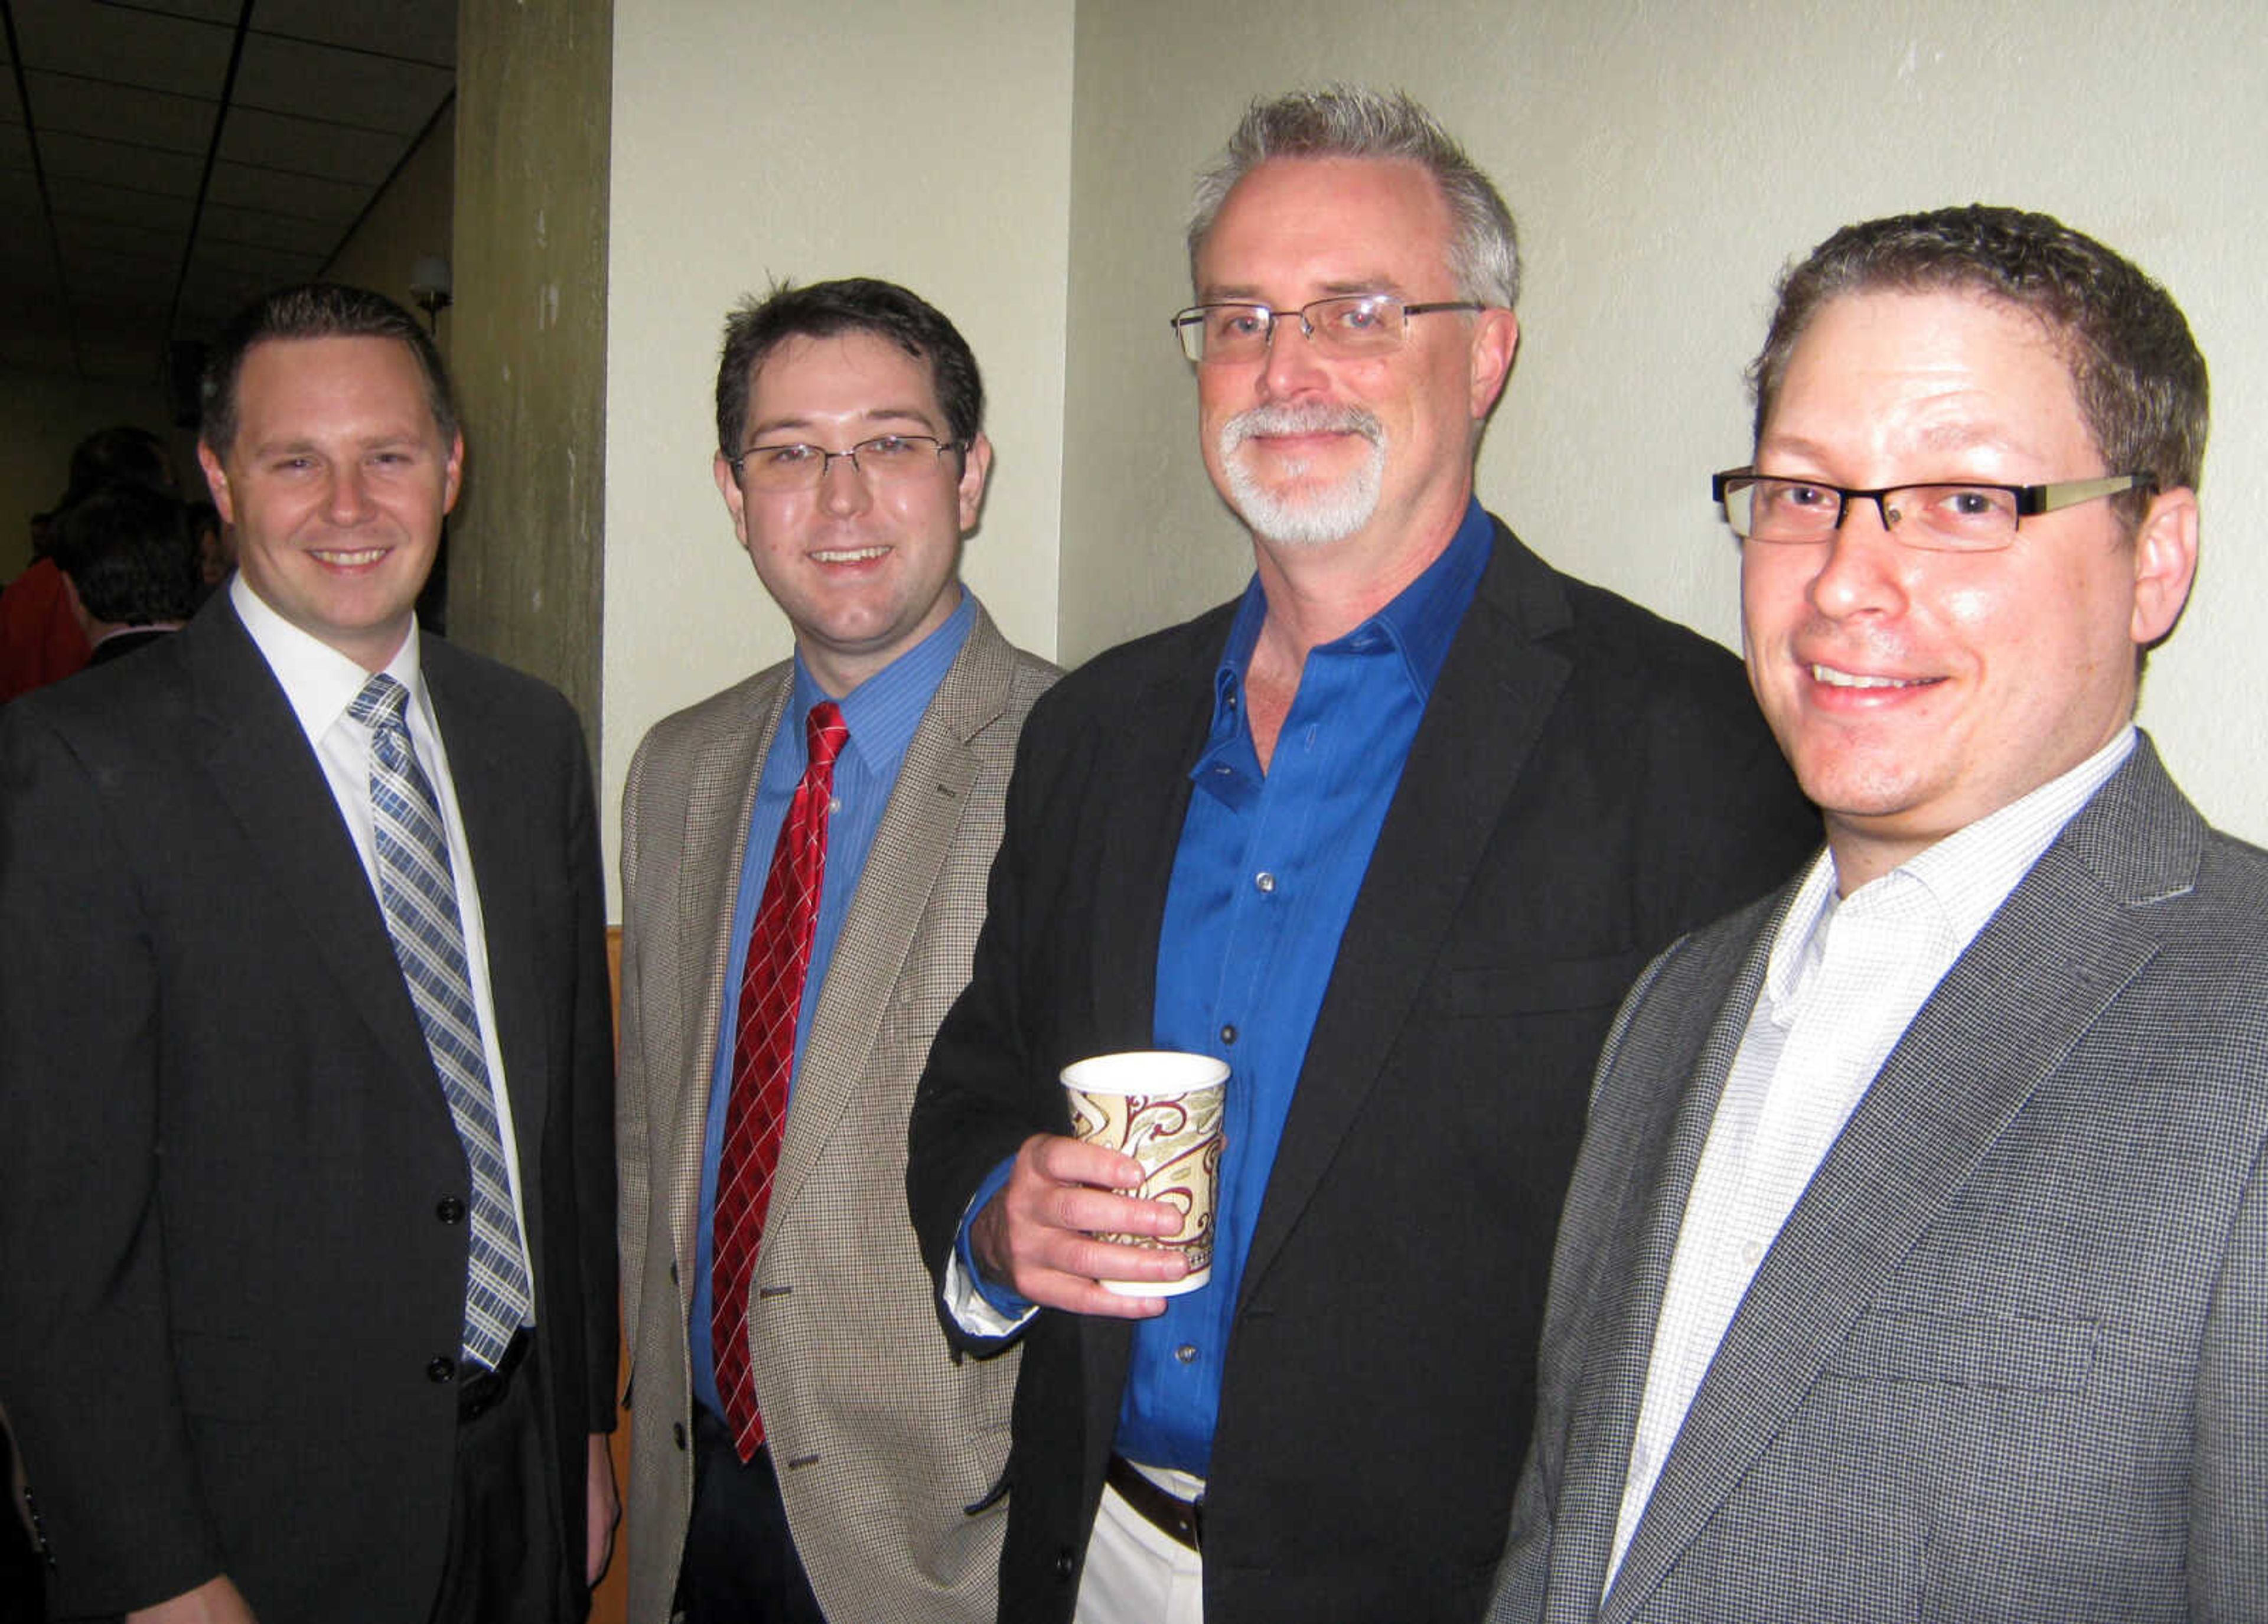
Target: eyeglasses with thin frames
x: 1948, y: 516
x: 886, y: 458
x: 1348, y: 326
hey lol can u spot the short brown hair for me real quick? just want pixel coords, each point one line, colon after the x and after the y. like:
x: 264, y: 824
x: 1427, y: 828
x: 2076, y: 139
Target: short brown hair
x: 2139, y: 377
x: 316, y: 310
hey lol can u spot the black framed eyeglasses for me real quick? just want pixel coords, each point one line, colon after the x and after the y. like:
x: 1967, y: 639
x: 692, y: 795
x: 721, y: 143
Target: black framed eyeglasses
x: 1943, y: 517
x: 1347, y: 324
x: 885, y: 458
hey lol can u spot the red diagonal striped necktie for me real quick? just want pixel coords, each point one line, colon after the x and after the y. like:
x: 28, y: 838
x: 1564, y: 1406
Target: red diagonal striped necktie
x: 764, y: 1054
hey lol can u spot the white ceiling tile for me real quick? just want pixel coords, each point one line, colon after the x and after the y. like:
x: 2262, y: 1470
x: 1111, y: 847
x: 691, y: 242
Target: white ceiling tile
x: 309, y: 146
x: 346, y: 87
x: 91, y: 108
x: 91, y: 157
x: 128, y: 44
x: 418, y: 30
x: 306, y: 196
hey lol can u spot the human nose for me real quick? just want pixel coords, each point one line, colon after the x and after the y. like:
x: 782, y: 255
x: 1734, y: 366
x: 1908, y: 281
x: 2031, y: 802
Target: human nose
x: 1293, y: 364
x: 843, y: 484
x: 349, y: 496
x: 1861, y: 563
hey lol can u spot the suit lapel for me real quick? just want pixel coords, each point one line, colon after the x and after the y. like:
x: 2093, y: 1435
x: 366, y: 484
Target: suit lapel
x: 264, y: 768
x: 490, y: 775
x: 1972, y: 1056
x: 718, y: 801
x: 1488, y: 705
x: 1144, y: 799
x: 1660, y: 1151
x: 916, y: 833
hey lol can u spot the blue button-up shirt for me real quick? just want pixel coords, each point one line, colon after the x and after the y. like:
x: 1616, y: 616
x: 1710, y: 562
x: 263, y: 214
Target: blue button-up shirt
x: 881, y: 714
x: 1264, y: 880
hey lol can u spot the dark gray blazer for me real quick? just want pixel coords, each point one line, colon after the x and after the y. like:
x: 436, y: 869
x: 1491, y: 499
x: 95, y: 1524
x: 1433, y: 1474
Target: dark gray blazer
x: 231, y: 1266
x: 2009, y: 1357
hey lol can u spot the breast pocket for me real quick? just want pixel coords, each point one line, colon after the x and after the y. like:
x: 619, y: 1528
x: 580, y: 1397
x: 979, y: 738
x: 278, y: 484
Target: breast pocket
x: 1991, y: 1352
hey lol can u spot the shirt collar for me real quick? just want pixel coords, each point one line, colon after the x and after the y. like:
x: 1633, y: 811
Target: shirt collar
x: 884, y: 712
x: 1419, y: 624
x: 1965, y: 877
x: 318, y: 680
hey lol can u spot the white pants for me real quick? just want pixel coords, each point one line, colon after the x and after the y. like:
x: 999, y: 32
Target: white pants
x: 1137, y: 1574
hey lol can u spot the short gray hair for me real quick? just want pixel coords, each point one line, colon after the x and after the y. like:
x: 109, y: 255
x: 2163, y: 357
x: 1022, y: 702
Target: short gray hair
x: 1352, y: 121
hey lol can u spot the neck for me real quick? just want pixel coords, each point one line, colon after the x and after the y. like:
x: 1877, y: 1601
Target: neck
x: 1318, y: 594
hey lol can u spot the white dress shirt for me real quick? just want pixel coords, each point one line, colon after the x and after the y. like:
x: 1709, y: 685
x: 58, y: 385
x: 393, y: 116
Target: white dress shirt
x: 320, y: 682
x: 1844, y: 979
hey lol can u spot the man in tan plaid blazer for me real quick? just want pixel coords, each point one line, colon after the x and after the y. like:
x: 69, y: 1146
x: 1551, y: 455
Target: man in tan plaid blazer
x: 851, y: 459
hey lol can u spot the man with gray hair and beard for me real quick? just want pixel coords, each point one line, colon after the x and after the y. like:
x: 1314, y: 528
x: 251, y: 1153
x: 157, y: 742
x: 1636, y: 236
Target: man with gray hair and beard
x: 1390, y: 836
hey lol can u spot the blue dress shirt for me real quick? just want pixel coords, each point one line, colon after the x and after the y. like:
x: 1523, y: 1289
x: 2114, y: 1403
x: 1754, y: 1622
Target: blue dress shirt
x: 882, y: 714
x: 1264, y: 880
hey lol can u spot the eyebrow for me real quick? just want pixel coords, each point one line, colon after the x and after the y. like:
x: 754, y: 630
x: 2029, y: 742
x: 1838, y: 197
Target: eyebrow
x: 1340, y: 287
x: 871, y: 415
x: 1948, y: 437
x: 295, y: 445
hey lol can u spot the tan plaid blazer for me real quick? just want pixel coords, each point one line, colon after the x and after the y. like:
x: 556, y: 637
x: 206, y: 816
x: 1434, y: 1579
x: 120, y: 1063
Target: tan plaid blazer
x: 881, y: 1439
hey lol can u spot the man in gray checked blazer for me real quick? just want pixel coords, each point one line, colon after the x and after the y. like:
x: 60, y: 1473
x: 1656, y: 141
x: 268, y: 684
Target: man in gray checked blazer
x: 852, y: 460
x: 1916, y: 1263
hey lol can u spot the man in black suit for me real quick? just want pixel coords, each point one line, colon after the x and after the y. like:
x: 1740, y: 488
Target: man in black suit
x: 1390, y: 836
x: 306, y: 1246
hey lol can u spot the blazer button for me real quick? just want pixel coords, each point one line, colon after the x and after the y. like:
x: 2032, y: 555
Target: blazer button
x: 441, y: 1369
x: 677, y: 1431
x: 1066, y: 1563
x: 450, y: 1210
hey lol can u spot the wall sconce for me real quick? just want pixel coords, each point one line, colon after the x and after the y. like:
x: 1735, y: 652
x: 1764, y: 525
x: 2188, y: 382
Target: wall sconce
x: 430, y: 286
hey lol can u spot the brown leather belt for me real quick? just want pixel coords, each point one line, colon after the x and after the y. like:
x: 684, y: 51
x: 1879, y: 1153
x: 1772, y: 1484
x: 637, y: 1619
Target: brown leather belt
x: 1180, y: 1520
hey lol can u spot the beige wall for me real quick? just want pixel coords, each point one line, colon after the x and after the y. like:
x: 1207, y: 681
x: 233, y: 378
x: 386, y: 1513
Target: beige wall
x: 1025, y: 166
x: 1664, y: 160
x: 753, y: 139
x: 528, y: 334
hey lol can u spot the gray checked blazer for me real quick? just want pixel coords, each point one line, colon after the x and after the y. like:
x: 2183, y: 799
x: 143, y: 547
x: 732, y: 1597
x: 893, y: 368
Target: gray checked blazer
x: 2008, y: 1359
x: 880, y: 1435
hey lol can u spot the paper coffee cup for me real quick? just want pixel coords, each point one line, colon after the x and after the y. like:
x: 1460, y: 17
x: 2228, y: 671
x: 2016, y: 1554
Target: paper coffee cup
x: 1162, y: 1109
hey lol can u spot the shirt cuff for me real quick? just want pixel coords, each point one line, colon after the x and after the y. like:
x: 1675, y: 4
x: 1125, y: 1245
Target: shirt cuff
x: 977, y: 1306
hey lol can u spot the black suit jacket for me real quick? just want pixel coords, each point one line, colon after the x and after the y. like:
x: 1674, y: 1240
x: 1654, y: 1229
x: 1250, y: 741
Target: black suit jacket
x: 230, y: 1274
x: 1589, y: 782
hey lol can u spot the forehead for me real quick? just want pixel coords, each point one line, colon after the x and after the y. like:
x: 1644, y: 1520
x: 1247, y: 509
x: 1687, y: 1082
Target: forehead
x: 1941, y: 365
x: 1329, y: 224
x: 850, y: 376
x: 289, y: 384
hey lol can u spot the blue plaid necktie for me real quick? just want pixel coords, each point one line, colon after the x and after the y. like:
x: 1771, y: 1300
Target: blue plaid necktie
x: 420, y: 899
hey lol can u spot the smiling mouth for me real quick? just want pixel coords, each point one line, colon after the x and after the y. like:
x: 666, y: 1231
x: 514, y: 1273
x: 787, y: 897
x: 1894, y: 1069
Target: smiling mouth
x: 849, y: 554
x: 343, y: 558
x: 1829, y: 677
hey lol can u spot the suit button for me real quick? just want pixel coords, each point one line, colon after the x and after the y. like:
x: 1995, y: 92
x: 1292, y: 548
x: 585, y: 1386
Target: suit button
x: 1066, y: 1563
x: 450, y: 1210
x: 677, y: 1431
x: 441, y: 1369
